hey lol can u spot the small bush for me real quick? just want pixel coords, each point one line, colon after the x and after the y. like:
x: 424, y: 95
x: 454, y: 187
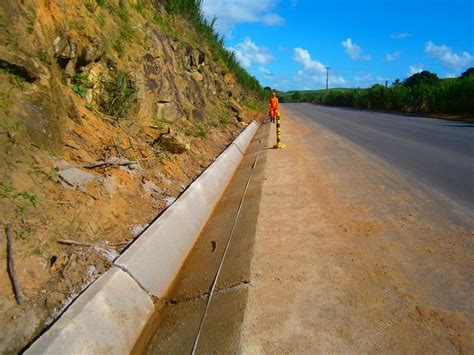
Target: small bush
x: 43, y: 56
x: 119, y: 46
x: 251, y: 105
x: 8, y: 192
x: 17, y: 82
x: 89, y: 106
x: 101, y: 19
x: 90, y: 6
x: 200, y: 131
x: 224, y: 120
x: 121, y: 10
x: 12, y: 40
x: 126, y: 33
x: 80, y: 84
x: 117, y: 95
x: 139, y: 8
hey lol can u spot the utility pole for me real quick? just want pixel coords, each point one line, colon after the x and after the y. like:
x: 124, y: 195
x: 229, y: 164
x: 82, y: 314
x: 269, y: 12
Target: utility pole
x: 327, y: 78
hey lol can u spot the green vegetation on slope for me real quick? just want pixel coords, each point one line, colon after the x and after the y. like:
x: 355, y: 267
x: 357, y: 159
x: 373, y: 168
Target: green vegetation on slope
x: 191, y: 10
x: 421, y: 92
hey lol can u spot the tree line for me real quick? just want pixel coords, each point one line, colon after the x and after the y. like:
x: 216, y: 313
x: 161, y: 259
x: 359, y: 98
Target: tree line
x: 422, y: 92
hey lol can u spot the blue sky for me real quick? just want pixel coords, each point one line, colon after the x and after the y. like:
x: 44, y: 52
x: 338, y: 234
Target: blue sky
x: 286, y: 44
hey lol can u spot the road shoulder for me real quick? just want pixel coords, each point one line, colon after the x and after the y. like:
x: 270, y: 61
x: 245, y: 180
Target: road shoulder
x: 349, y: 257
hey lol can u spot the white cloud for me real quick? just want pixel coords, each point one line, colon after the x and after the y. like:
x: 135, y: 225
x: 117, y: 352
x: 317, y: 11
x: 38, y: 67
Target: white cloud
x: 247, y: 52
x: 447, y: 56
x: 364, y: 80
x: 450, y: 75
x: 313, y: 71
x: 354, y: 51
x: 368, y: 79
x: 230, y: 13
x: 302, y: 56
x: 265, y: 72
x: 334, y: 80
x: 272, y: 19
x: 413, y: 69
x: 392, y: 56
x: 400, y: 35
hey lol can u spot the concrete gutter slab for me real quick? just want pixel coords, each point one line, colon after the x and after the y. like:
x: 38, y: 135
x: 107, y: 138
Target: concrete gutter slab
x: 106, y: 319
x: 243, y: 141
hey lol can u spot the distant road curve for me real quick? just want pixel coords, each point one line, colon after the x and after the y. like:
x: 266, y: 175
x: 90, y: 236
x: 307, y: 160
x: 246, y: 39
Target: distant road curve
x: 437, y: 153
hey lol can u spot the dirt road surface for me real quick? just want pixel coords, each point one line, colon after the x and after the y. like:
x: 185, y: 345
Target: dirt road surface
x: 344, y: 254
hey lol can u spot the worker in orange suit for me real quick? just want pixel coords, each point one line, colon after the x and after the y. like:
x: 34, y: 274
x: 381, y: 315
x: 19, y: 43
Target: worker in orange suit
x: 273, y: 106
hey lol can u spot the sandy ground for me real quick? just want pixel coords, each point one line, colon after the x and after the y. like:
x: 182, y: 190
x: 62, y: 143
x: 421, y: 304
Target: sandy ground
x: 350, y: 257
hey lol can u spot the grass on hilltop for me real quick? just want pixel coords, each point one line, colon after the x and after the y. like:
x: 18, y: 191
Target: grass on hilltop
x: 191, y: 10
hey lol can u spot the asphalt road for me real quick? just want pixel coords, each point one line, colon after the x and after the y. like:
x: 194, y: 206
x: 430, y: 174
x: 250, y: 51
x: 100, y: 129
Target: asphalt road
x: 437, y: 153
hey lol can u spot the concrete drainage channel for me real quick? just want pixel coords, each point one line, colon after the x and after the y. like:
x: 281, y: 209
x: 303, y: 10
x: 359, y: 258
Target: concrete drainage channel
x: 110, y: 315
x: 176, y: 327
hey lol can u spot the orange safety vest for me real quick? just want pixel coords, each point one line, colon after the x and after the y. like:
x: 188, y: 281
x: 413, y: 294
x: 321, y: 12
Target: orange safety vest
x: 273, y: 105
